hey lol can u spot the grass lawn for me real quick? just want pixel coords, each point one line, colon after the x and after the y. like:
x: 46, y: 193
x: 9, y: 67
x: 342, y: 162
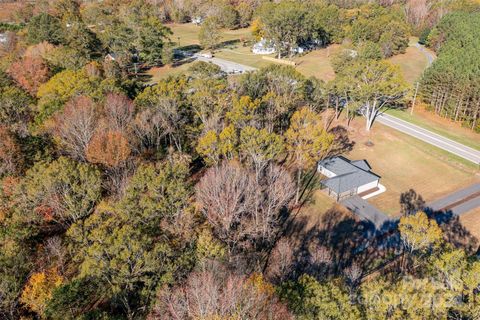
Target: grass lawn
x: 471, y: 221
x: 317, y: 63
x: 439, y: 125
x: 406, y: 163
x: 187, y: 33
x: 160, y: 73
x: 411, y: 63
x: 319, y: 203
x: 243, y: 55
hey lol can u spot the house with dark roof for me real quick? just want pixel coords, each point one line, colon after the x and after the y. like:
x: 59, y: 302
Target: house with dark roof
x: 345, y: 178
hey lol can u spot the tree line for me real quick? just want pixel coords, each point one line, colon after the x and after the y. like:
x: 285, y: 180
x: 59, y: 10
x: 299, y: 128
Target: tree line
x: 451, y: 85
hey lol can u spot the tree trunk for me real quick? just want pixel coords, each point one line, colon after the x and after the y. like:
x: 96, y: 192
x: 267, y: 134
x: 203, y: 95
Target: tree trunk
x: 299, y: 180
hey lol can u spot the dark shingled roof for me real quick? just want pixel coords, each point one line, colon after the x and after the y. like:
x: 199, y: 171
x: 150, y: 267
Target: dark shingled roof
x: 349, y: 174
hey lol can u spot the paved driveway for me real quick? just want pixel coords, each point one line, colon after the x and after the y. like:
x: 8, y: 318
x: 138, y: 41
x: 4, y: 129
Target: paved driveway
x: 366, y: 211
x: 225, y: 65
x: 437, y: 140
x: 458, y: 202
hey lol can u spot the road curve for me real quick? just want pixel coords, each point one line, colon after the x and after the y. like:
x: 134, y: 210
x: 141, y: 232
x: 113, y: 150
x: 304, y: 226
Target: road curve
x: 430, y: 56
x: 434, y: 139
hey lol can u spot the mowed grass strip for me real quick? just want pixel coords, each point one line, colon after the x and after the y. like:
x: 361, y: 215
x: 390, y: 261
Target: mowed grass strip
x: 406, y: 163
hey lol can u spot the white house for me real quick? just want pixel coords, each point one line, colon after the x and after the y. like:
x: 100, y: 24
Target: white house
x: 347, y: 178
x: 298, y: 50
x: 197, y: 20
x: 263, y: 47
x: 3, y: 38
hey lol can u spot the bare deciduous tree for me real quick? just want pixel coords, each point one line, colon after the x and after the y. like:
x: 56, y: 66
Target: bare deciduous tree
x: 353, y: 274
x: 417, y: 11
x: 119, y: 111
x: 76, y: 126
x: 281, y: 261
x: 219, y: 295
x: 242, y: 209
x: 56, y: 251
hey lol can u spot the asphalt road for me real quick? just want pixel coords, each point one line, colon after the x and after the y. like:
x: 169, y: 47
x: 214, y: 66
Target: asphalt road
x: 225, y: 65
x: 437, y: 140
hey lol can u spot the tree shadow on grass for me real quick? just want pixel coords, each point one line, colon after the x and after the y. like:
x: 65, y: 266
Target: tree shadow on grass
x: 453, y: 230
x: 325, y: 246
x: 191, y: 48
x: 227, y: 44
x: 342, y: 143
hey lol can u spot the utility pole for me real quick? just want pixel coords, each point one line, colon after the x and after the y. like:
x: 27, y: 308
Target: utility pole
x: 414, y: 98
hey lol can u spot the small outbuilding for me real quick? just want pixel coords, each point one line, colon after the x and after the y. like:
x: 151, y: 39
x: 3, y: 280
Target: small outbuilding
x: 345, y: 178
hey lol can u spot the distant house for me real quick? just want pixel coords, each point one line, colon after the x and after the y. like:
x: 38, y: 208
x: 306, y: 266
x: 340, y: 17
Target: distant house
x: 345, y: 178
x: 111, y: 57
x: 263, y: 47
x: 3, y: 38
x: 298, y: 50
x: 197, y: 20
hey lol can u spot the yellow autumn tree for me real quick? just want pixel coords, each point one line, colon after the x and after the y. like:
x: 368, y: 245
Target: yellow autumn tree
x: 243, y: 111
x: 39, y: 288
x: 209, y: 247
x: 307, y: 141
x: 212, y: 146
x: 418, y: 233
x: 207, y: 147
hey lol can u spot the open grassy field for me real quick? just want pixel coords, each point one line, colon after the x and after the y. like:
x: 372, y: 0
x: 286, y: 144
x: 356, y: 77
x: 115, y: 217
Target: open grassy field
x: 319, y: 202
x: 243, y: 55
x: 317, y: 63
x: 187, y: 34
x: 412, y: 63
x: 404, y: 162
x: 160, y: 73
x: 442, y: 126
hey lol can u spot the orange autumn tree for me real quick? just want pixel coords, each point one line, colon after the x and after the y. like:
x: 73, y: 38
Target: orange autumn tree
x: 29, y: 73
x: 39, y: 288
x: 11, y: 157
x: 110, y: 148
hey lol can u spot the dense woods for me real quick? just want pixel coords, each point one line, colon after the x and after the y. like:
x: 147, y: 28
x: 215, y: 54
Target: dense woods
x: 451, y: 85
x: 123, y: 199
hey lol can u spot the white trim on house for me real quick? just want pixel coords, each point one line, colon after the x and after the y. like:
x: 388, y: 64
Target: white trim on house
x: 368, y: 186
